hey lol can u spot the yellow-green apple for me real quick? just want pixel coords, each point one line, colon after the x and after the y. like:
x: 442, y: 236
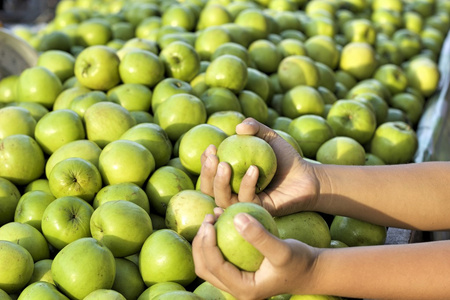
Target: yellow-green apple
x: 21, y: 159
x: 359, y: 59
x: 231, y: 48
x: 218, y: 99
x: 122, y: 191
x: 379, y: 105
x: 36, y: 110
x: 93, y: 269
x: 67, y: 95
x: 179, y: 113
x: 40, y: 184
x: 9, y: 199
x: 164, y: 183
x: 132, y: 96
x: 154, y: 138
x: 302, y: 100
x: 226, y: 120
x: 16, y: 120
x: 370, y: 85
x: 352, y: 119
x: 97, y: 68
x: 227, y: 71
x: 393, y: 76
x: 281, y: 123
x: 233, y: 246
x: 17, y: 267
x: 128, y: 280
x: 103, y: 294
x: 53, y: 40
x: 259, y: 83
x: 265, y: 55
x: 81, y: 103
x: 171, y: 254
x: 125, y: 161
x: 239, y: 33
x: 58, y: 128
x: 322, y: 48
x: 28, y: 237
x: 410, y: 104
x: 291, y: 46
x: 180, y: 60
x: 373, y: 160
x: 179, y: 15
x: 186, y: 211
x: 328, y: 96
x: 209, y: 39
x: 213, y: 14
x: 307, y: 226
x: 94, y: 31
x: 341, y: 150
x: 206, y: 289
x: 38, y: 84
x: 290, y: 139
x: 160, y: 288
x: 254, y: 20
x: 31, y: 206
x: 41, y: 290
x: 65, y: 220
x: 394, y: 142
x: 388, y: 52
x: 122, y: 226
x: 141, y: 116
x: 75, y: 176
x: 142, y: 67
x: 136, y: 12
x: 395, y: 114
x: 327, y: 79
x: 320, y: 25
x: 363, y: 233
x: 122, y: 31
x: 240, y: 152
x: 413, y: 21
x: 138, y: 43
x: 297, y: 70
x: 345, y: 78
x: 8, y: 88
x: 253, y: 106
x: 360, y: 30
x: 106, y: 121
x: 59, y: 62
x: 310, y: 132
x: 168, y: 87
x: 408, y: 42
x: 194, y: 143
x: 423, y: 74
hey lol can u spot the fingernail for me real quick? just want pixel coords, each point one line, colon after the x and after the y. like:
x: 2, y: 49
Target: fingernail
x: 251, y: 170
x: 208, y: 161
x: 220, y: 169
x: 240, y: 221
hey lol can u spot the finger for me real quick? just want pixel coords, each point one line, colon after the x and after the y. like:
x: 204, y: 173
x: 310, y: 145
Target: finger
x: 218, y: 211
x: 222, y: 189
x: 207, y: 174
x: 210, y: 150
x: 270, y: 246
x: 248, y: 184
x: 252, y: 127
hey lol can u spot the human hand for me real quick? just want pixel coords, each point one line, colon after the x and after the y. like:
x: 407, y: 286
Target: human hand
x: 285, y: 269
x: 294, y: 187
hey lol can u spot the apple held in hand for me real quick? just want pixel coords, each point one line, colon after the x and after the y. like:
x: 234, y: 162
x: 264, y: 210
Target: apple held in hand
x: 242, y: 151
x: 233, y: 246
x: 82, y: 267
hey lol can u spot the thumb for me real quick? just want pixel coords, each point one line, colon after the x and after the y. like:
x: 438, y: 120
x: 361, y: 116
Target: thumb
x: 254, y: 232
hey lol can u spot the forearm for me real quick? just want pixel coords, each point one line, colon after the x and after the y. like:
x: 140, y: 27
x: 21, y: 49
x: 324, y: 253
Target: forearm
x: 413, y: 271
x: 415, y: 196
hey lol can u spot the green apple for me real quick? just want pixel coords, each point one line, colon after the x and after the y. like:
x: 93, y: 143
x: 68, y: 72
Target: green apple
x: 186, y: 211
x: 408, y: 42
x: 135, y: 65
x: 307, y: 226
x: 265, y: 55
x: 164, y: 183
x: 178, y: 15
x: 413, y: 21
x: 213, y: 14
x: 207, y: 290
x: 388, y: 52
x: 141, y: 116
x: 53, y: 40
x: 379, y: 105
x: 28, y: 237
x: 209, y: 39
x: 160, y: 288
x: 345, y: 78
x: 139, y: 43
x: 353, y: 119
x: 21, y: 159
x: 179, y: 113
x: 128, y: 280
x: 233, y: 246
x: 239, y: 34
x: 93, y: 32
x: 182, y: 295
x: 9, y: 199
x: 38, y: 84
x: 136, y: 12
x: 106, y: 121
x: 180, y: 60
x: 423, y: 74
x: 360, y: 30
x: 310, y: 132
x: 302, y: 100
x: 16, y: 120
x: 322, y: 48
x: 280, y: 123
x: 122, y: 191
x: 259, y: 83
x: 373, y: 160
x: 341, y: 150
x: 240, y: 152
x: 31, y: 206
x: 170, y: 254
x: 42, y: 271
x: 291, y: 46
x: 75, y: 176
x: 94, y: 268
x: 104, y: 294
x: 97, y: 68
x: 58, y: 128
x: 218, y: 99
x: 194, y: 143
x: 17, y: 267
x: 59, y: 62
x: 8, y: 88
x: 168, y: 87
x: 66, y: 96
x: 410, y: 104
x: 232, y: 48
x: 394, y: 142
x: 122, y: 226
x: 393, y: 76
x: 297, y: 70
x: 132, y: 96
x: 253, y: 106
x: 354, y: 232
x: 359, y: 59
x: 36, y: 110
x: 154, y: 138
x: 327, y: 78
x: 370, y: 85
x: 82, y: 102
x: 227, y: 71
x: 125, y: 161
x: 226, y: 120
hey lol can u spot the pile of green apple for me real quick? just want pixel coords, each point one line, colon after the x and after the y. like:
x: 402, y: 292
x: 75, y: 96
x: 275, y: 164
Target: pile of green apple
x: 100, y: 142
